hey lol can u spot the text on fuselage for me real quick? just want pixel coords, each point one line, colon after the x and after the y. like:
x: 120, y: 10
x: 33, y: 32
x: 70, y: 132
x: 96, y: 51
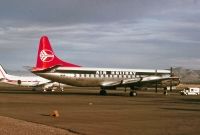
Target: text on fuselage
x: 115, y: 73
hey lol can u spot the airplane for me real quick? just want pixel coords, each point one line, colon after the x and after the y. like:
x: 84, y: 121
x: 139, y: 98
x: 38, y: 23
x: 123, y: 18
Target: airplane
x: 49, y: 66
x: 29, y: 81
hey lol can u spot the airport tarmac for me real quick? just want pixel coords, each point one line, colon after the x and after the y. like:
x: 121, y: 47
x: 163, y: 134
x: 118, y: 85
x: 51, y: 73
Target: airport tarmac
x: 83, y: 112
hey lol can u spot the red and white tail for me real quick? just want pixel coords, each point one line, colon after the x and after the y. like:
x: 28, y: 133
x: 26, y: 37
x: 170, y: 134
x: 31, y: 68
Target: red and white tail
x: 46, y: 57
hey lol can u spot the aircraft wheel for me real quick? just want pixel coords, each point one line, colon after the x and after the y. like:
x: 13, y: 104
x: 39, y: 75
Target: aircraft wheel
x: 103, y: 92
x: 165, y: 93
x: 44, y: 90
x: 62, y: 89
x: 133, y: 93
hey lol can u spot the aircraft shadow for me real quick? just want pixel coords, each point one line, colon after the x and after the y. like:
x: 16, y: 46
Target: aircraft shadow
x: 66, y: 93
x: 192, y: 100
x: 182, y: 109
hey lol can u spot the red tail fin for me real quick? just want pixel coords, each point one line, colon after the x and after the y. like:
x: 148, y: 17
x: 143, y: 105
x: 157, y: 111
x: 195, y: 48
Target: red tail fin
x: 46, y: 57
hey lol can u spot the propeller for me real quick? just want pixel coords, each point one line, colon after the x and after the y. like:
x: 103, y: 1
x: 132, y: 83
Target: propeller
x: 171, y: 75
x: 156, y: 87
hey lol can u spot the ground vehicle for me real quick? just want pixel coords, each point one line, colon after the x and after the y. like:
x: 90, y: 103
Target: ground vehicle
x: 190, y: 91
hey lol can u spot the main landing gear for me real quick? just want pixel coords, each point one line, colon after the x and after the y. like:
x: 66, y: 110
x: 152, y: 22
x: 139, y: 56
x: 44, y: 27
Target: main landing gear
x: 133, y: 93
x: 165, y: 91
x: 103, y: 92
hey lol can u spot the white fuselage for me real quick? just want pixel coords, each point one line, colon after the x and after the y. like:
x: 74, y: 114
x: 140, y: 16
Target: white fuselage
x: 93, y: 77
x: 27, y: 81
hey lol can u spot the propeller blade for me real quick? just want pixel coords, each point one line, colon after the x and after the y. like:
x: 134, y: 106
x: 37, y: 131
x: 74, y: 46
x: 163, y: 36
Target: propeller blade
x: 156, y: 88
x: 171, y: 75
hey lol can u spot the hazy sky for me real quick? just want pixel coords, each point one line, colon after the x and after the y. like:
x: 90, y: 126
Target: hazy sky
x: 102, y: 33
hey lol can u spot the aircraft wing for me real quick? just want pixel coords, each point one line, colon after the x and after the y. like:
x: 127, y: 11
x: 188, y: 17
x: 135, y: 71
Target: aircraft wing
x: 120, y: 82
x: 157, y: 79
x: 136, y: 81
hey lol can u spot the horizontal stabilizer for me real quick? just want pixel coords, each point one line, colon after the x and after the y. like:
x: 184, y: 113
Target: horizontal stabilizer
x: 37, y: 70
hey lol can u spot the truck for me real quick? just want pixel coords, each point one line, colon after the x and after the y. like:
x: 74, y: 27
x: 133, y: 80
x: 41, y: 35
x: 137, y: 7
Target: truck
x: 190, y: 91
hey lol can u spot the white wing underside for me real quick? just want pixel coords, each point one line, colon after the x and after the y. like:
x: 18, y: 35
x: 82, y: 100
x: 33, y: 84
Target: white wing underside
x: 126, y: 82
